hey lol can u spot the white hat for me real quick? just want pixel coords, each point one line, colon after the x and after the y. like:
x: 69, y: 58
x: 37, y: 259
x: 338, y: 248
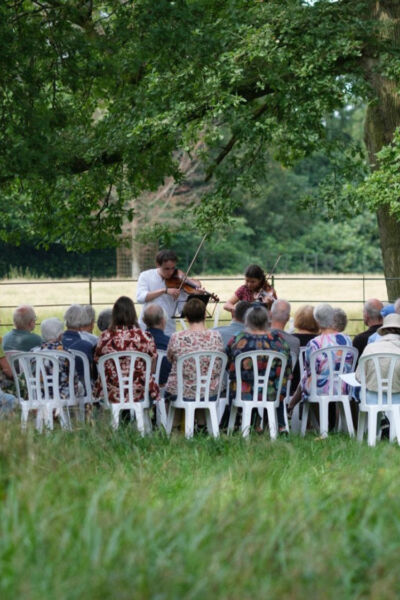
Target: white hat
x: 392, y: 320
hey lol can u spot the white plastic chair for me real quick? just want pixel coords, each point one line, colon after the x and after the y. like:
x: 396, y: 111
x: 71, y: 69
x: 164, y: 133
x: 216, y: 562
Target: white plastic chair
x: 71, y: 399
x: 384, y: 399
x: 336, y: 356
x: 216, y: 364
x: 260, y: 386
x: 87, y: 397
x: 139, y: 409
x: 161, y: 411
x: 41, y: 373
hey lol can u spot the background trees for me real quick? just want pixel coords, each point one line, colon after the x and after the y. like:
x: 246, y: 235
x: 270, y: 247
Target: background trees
x: 99, y: 98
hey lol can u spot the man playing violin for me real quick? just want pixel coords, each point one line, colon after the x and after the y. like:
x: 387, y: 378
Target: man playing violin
x: 162, y: 286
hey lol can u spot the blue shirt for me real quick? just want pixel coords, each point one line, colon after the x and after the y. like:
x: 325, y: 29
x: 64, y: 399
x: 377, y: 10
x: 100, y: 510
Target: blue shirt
x: 161, y: 341
x: 71, y: 340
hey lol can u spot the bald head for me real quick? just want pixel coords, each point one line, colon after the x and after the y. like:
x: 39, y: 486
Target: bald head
x: 372, y: 312
x: 280, y: 314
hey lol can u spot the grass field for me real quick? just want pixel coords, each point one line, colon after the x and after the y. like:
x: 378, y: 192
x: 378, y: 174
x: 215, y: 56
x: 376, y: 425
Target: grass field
x: 347, y: 291
x: 98, y: 514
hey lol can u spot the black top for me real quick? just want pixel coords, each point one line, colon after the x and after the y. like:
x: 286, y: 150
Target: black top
x: 361, y: 340
x: 161, y: 341
x: 304, y: 339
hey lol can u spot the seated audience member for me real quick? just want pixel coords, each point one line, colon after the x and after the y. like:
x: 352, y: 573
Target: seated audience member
x: 339, y: 320
x: 104, y: 319
x: 52, y: 330
x: 71, y: 339
x: 21, y: 338
x: 280, y: 315
x: 155, y: 319
x: 195, y: 337
x: 7, y: 400
x: 307, y: 329
x: 237, y: 324
x: 386, y: 310
x: 125, y: 335
x: 258, y: 336
x: 324, y: 315
x: 87, y: 324
x: 372, y: 319
x: 389, y: 341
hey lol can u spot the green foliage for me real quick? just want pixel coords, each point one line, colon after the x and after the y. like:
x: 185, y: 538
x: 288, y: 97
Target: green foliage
x: 105, y: 514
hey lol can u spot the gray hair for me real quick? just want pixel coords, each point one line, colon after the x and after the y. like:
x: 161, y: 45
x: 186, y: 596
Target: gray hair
x: 397, y: 306
x: 324, y: 314
x: 280, y: 311
x: 51, y: 329
x: 154, y: 315
x: 257, y: 318
x: 73, y: 316
x: 23, y: 316
x: 104, y: 319
x: 372, y: 309
x: 88, y: 315
x: 339, y: 319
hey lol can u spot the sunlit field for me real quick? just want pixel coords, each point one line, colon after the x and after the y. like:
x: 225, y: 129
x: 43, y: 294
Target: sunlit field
x: 51, y: 299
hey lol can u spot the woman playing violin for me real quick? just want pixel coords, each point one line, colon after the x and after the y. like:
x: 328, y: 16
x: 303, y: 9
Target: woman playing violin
x: 162, y: 286
x: 256, y: 289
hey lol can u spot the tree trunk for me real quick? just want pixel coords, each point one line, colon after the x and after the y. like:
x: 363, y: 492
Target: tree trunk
x: 383, y: 116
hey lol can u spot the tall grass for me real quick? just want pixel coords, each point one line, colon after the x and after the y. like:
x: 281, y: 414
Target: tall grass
x: 99, y: 514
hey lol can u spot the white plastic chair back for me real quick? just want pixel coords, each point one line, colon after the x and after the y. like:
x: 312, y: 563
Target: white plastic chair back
x: 385, y: 384
x: 216, y: 364
x: 63, y: 355
x: 260, y: 380
x: 337, y: 365
x: 87, y: 380
x: 301, y: 359
x: 161, y: 411
x: 139, y: 408
x: 41, y: 373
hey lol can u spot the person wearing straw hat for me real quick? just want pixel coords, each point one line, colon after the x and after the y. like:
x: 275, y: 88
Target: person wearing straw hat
x: 389, y: 342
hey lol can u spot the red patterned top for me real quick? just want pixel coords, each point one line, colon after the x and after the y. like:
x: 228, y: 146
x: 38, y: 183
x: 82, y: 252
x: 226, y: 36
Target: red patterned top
x: 187, y: 341
x: 126, y: 339
x: 268, y: 294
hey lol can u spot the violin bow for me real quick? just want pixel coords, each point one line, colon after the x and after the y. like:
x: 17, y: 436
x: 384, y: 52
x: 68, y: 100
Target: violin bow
x: 188, y: 269
x: 273, y: 268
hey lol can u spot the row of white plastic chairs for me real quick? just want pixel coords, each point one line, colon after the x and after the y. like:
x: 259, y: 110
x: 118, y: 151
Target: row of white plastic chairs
x: 43, y: 393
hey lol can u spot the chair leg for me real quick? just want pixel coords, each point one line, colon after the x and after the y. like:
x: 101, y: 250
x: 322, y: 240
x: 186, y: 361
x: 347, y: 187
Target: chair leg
x: 189, y: 421
x: 372, y: 424
x: 212, y: 421
x: 170, y: 418
x: 323, y: 418
x: 396, y: 425
x: 349, y: 419
x: 362, y: 419
x: 140, y: 419
x: 24, y: 416
x: 304, y: 418
x: 114, y: 416
x: 232, y: 418
x: 296, y: 423
x: 246, y: 420
x: 161, y: 414
x: 272, y: 421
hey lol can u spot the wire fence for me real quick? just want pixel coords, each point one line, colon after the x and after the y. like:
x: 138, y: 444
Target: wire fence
x: 49, y: 296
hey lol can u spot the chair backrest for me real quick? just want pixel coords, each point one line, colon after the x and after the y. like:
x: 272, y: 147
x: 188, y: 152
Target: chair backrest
x: 87, y: 381
x: 301, y: 359
x: 124, y: 364
x: 41, y: 373
x: 208, y: 365
x: 262, y: 378
x: 383, y: 365
x: 161, y: 354
x: 63, y: 355
x: 336, y: 360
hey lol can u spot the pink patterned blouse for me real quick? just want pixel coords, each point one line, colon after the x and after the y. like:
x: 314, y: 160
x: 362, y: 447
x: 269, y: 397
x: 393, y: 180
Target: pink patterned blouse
x: 187, y: 341
x: 126, y: 339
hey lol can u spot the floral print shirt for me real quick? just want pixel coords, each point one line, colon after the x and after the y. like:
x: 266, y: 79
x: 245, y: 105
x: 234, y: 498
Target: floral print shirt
x: 322, y: 366
x: 187, y: 341
x: 245, y: 342
x: 123, y: 339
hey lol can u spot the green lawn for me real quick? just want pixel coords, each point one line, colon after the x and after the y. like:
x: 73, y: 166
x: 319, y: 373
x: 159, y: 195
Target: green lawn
x: 97, y: 514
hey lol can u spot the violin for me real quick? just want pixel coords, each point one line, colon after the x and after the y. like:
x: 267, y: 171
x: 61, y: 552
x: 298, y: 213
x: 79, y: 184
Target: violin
x: 179, y: 280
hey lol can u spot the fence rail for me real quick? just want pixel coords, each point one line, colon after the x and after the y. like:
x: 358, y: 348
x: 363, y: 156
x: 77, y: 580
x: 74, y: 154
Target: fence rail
x: 340, y: 290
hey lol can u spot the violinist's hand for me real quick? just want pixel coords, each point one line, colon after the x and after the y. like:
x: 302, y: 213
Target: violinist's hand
x: 174, y: 292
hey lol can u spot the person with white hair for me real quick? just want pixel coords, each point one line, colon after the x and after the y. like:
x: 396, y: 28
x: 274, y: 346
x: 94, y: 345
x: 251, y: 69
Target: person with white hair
x: 104, y: 319
x: 386, y: 310
x: 71, y: 339
x: 324, y: 315
x: 52, y: 330
x: 21, y: 338
x: 87, y: 324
